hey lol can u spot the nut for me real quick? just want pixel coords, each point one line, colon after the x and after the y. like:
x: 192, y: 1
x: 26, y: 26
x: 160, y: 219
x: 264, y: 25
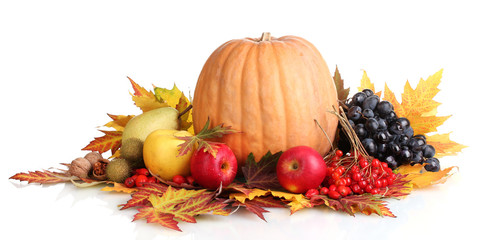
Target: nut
x: 93, y: 157
x: 80, y: 167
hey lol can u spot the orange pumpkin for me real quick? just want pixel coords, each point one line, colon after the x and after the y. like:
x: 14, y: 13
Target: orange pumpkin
x: 270, y: 89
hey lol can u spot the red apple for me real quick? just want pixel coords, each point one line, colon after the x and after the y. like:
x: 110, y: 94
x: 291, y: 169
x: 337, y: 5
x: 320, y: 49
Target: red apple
x: 300, y: 169
x: 209, y: 171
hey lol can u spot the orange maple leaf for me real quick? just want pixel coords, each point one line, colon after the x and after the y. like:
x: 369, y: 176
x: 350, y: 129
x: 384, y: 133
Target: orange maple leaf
x: 110, y: 141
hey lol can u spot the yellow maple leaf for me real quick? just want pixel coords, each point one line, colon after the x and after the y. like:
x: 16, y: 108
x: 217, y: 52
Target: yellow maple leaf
x: 176, y: 99
x: 119, y: 187
x: 418, y: 106
x: 419, y: 178
x: 241, y: 197
x: 119, y: 121
x: 296, y: 205
x: 367, y: 84
x: 443, y: 145
x: 144, y: 99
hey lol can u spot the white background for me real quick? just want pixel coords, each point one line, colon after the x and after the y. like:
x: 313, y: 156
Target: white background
x: 63, y: 66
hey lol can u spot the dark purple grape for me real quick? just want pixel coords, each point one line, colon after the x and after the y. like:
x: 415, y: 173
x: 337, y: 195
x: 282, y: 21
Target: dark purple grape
x: 367, y: 113
x: 417, y: 158
x: 360, y: 130
x: 382, y: 148
x: 381, y: 137
x: 391, y: 162
x: 391, y: 117
x: 420, y: 136
x: 354, y: 113
x: 382, y: 124
x: 394, y: 149
x: 404, y: 122
x: 384, y: 108
x: 429, y: 151
x: 358, y: 98
x: 409, y: 131
x: 432, y: 165
x: 403, y: 140
x: 372, y: 125
x: 370, y: 146
x: 370, y: 102
x: 416, y: 144
x: 405, y: 156
x: 368, y: 92
x: 395, y: 128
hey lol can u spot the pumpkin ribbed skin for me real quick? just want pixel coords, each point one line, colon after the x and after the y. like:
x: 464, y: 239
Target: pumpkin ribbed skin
x: 271, y: 90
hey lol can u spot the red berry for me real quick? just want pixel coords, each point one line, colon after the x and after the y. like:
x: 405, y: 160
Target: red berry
x: 142, y: 171
x: 375, y: 163
x: 384, y: 165
x: 341, y: 182
x: 343, y: 190
x: 151, y: 179
x: 336, y: 176
x: 356, y: 176
x: 378, y: 183
x: 332, y: 187
x: 129, y: 182
x: 311, y: 192
x: 368, y: 188
x: 363, y: 163
x: 140, y: 180
x: 375, y: 191
x: 178, y: 179
x: 134, y: 177
x: 363, y: 184
x: 339, y: 153
x: 333, y: 194
x: 355, y: 188
x: 190, y: 180
x: 324, y: 190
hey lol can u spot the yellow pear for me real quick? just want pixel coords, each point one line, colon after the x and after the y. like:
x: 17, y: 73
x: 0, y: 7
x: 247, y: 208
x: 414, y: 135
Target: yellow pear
x: 161, y: 154
x: 139, y: 127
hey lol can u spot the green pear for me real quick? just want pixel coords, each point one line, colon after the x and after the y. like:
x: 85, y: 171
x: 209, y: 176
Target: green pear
x: 139, y: 127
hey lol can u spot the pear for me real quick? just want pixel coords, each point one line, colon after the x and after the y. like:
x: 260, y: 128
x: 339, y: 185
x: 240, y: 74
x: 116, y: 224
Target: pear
x: 139, y: 127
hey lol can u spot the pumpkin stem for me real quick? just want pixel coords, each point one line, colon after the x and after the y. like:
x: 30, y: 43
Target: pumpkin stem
x: 185, y: 111
x: 266, y: 36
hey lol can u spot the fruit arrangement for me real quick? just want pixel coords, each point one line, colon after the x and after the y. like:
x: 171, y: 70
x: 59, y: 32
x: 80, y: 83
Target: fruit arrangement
x: 268, y: 127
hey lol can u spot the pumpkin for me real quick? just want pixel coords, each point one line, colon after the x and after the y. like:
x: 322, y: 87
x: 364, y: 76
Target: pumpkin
x: 271, y: 90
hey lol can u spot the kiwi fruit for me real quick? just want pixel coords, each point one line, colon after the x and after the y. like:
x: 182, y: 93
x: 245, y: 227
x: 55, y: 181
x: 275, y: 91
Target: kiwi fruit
x: 118, y: 170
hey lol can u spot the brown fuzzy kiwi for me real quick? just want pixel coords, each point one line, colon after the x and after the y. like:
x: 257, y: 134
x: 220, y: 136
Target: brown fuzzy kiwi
x: 118, y: 170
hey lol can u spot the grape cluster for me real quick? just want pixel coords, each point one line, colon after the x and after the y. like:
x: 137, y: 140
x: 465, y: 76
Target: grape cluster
x: 385, y: 136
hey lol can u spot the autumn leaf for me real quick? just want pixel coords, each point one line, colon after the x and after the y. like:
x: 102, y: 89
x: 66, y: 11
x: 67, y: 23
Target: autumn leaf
x: 296, y: 205
x: 42, y: 177
x: 365, y: 203
x: 420, y: 178
x: 443, y: 145
x: 141, y: 196
x: 399, y: 188
x: 145, y: 99
x: 152, y: 216
x: 176, y: 99
x: 242, y: 197
x: 200, y: 139
x: 418, y: 105
x: 179, y: 204
x: 367, y: 84
x: 119, y: 187
x: 258, y: 205
x: 342, y: 93
x: 118, y: 121
x: 110, y: 141
x: 262, y: 174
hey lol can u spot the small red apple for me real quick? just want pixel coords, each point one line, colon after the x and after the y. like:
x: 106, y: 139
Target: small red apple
x: 300, y: 169
x: 209, y: 171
